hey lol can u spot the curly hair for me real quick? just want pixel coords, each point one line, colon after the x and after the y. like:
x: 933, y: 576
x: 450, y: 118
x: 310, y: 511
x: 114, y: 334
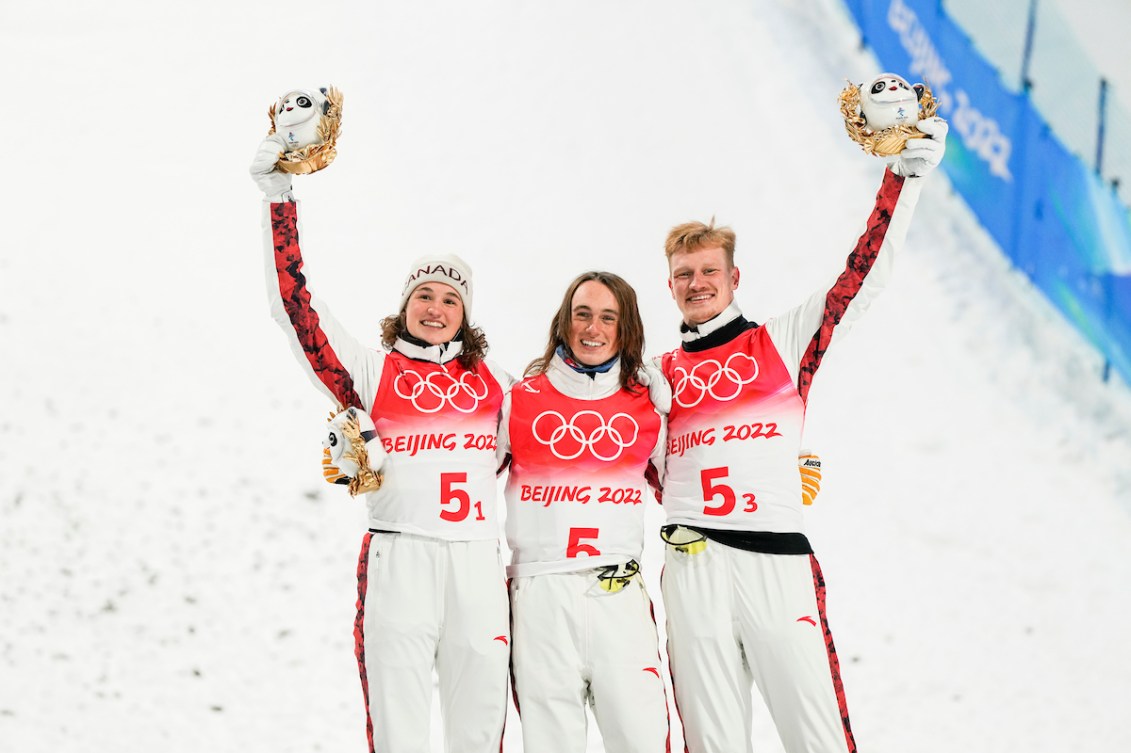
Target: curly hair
x: 473, y: 339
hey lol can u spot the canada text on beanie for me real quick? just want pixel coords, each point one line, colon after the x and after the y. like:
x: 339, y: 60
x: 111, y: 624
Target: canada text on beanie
x: 448, y: 269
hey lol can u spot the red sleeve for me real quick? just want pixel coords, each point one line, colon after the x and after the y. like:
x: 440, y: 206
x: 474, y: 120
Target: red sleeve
x: 850, y: 281
x: 304, y: 320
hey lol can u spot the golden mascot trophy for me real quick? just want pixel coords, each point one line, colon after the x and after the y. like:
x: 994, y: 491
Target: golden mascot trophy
x: 881, y: 116
x: 352, y: 452
x: 309, y: 122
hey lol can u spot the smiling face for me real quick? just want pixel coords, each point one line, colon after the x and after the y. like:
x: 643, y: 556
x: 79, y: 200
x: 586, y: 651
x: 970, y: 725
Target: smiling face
x: 295, y: 108
x: 702, y: 283
x: 594, y: 317
x: 434, y: 313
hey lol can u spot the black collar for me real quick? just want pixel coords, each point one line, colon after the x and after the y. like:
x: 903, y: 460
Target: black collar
x: 723, y: 334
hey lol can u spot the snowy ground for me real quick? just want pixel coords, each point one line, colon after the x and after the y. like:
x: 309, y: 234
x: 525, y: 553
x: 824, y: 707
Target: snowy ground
x: 174, y: 575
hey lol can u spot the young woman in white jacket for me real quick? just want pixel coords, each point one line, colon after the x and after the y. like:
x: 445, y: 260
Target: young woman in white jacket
x: 431, y: 593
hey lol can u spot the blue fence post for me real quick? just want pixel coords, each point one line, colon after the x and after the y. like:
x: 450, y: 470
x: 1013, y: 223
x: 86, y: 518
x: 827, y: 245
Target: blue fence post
x: 1109, y: 316
x: 1101, y: 122
x: 1036, y: 198
x: 1027, y: 53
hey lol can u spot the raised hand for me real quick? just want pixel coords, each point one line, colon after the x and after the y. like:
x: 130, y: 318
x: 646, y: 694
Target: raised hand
x: 921, y: 156
x: 274, y: 184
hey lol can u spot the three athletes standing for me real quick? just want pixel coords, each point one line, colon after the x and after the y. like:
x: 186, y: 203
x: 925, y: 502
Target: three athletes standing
x: 743, y: 593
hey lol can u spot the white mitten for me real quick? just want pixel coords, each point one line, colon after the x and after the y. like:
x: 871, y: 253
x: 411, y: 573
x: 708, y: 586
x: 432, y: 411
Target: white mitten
x: 342, y: 455
x: 650, y: 376
x: 275, y: 185
x: 921, y: 156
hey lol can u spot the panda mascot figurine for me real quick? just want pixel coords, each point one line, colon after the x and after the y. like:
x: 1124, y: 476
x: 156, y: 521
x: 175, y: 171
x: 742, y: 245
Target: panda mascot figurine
x: 882, y: 114
x: 309, y: 121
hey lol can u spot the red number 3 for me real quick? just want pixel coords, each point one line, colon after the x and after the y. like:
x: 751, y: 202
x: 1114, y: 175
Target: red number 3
x: 708, y: 478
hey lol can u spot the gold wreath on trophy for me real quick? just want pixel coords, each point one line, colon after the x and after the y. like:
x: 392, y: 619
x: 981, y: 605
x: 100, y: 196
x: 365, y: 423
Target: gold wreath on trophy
x: 881, y: 116
x: 345, y: 457
x: 309, y: 121
x: 366, y: 480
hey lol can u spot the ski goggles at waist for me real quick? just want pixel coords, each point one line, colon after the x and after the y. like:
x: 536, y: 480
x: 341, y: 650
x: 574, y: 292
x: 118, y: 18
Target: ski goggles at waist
x: 613, y: 578
x: 686, y: 540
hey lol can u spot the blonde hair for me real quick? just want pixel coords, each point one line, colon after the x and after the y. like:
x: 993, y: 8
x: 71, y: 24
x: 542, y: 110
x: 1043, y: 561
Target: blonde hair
x: 693, y: 236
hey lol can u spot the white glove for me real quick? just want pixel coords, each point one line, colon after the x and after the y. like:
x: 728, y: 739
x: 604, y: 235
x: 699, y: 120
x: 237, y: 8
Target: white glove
x: 660, y: 392
x: 275, y: 185
x: 921, y: 156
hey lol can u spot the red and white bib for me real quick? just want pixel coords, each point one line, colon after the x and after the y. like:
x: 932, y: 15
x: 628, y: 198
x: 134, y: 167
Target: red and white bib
x: 439, y: 424
x: 577, y: 489
x: 733, y: 433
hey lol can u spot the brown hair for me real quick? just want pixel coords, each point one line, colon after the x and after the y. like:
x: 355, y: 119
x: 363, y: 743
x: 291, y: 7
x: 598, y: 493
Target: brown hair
x: 693, y: 236
x: 474, y: 341
x: 630, y: 327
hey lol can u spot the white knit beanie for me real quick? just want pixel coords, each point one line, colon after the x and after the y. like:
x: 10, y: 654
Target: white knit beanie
x: 448, y: 269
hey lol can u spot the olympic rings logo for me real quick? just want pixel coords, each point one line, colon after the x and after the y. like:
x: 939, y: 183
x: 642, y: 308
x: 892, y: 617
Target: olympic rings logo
x: 585, y: 430
x: 431, y: 393
x: 723, y: 382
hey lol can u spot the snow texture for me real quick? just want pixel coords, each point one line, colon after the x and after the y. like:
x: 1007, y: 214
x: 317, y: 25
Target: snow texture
x: 175, y: 575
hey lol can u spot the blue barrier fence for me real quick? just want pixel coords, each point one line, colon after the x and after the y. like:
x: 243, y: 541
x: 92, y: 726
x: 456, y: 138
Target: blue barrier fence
x: 1050, y: 213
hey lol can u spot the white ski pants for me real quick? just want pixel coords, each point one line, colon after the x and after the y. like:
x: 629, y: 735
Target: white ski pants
x: 427, y: 604
x: 576, y: 644
x: 736, y: 617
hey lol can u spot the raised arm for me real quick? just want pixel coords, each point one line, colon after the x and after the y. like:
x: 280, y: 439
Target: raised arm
x: 804, y: 333
x: 344, y: 370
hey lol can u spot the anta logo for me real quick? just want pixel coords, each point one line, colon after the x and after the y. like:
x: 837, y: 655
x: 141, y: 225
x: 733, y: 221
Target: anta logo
x: 451, y: 273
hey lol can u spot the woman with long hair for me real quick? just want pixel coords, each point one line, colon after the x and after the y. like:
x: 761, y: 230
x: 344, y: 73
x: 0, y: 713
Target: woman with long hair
x: 430, y: 582
x: 585, y: 440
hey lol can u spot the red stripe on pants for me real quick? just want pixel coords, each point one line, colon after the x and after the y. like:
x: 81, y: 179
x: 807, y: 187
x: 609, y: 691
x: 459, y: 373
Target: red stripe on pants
x: 834, y: 664
x: 359, y: 629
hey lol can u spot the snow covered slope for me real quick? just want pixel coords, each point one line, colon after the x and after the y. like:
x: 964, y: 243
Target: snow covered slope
x: 175, y: 575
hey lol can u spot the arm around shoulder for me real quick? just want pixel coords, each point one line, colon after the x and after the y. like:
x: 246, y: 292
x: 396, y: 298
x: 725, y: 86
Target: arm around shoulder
x: 659, y: 391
